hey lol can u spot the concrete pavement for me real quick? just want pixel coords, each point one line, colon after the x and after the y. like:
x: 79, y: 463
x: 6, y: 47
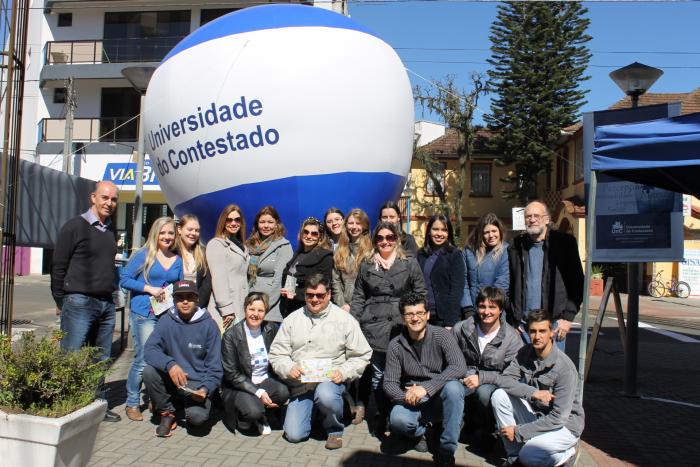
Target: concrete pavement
x: 656, y: 429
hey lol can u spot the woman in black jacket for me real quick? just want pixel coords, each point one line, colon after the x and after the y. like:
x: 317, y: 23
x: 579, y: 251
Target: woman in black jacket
x: 250, y: 388
x: 443, y: 270
x: 314, y: 255
x: 383, y: 277
x: 194, y: 261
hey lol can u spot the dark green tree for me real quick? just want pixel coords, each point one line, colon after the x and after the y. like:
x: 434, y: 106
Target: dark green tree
x: 538, y: 58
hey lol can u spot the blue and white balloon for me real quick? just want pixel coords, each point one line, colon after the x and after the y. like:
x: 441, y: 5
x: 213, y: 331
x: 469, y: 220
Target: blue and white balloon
x: 288, y: 105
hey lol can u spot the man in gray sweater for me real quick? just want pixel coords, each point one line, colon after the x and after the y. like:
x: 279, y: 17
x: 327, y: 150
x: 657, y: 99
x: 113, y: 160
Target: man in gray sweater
x: 422, y: 377
x: 537, y: 409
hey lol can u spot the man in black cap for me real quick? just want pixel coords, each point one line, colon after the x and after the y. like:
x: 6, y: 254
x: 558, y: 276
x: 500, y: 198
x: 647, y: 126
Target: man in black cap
x: 183, y: 357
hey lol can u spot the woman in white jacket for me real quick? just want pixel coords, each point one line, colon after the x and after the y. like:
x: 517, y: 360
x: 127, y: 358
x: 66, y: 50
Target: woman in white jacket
x: 227, y: 258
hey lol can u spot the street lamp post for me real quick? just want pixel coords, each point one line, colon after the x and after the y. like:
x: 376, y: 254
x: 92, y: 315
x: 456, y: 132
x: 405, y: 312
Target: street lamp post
x: 634, y: 80
x: 139, y: 77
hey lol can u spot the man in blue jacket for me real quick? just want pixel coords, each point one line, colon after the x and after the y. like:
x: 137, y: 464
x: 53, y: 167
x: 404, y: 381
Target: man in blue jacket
x: 183, y: 357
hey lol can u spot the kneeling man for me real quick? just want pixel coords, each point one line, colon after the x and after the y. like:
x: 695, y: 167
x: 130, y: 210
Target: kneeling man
x: 537, y: 408
x: 183, y: 357
x: 326, y: 338
x: 424, y: 365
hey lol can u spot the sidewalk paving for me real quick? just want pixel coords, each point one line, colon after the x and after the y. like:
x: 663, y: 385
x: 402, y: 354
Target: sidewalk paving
x: 134, y: 443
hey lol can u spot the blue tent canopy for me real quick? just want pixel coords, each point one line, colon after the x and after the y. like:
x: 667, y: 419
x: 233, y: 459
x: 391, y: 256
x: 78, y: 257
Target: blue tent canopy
x: 663, y: 153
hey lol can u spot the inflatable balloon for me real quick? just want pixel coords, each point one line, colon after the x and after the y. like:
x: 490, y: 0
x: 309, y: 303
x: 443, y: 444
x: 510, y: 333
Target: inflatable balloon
x: 289, y: 105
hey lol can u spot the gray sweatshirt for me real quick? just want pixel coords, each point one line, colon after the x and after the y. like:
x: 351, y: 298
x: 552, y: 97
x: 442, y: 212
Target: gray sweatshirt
x: 556, y: 373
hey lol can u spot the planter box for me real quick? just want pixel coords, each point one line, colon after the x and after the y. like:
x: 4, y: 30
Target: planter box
x: 596, y: 287
x: 43, y: 441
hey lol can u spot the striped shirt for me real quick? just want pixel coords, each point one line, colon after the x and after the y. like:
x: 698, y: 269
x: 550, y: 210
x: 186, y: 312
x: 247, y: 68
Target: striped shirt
x: 440, y: 361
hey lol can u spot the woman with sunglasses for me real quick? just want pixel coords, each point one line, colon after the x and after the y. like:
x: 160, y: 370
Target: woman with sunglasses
x: 227, y: 257
x: 269, y: 254
x: 390, y: 212
x: 443, y: 270
x: 383, y: 277
x: 313, y: 256
x: 333, y: 221
x: 194, y: 261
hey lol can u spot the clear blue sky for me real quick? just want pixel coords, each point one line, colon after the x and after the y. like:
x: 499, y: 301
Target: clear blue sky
x: 650, y: 33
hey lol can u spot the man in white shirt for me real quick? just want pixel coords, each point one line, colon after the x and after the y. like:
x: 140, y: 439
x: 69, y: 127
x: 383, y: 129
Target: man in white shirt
x: 324, y: 335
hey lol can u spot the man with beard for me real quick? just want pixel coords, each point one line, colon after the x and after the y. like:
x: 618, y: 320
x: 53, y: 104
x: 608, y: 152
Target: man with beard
x: 545, y: 272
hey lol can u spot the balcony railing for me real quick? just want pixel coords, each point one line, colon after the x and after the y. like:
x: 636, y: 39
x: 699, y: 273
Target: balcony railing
x: 90, y: 129
x: 149, y: 49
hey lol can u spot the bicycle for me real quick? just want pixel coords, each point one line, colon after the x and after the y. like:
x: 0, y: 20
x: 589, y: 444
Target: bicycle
x: 657, y: 289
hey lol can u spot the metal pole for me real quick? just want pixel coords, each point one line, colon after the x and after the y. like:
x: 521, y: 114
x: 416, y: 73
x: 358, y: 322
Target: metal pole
x: 590, y: 230
x: 68, y: 134
x: 632, y: 344
x: 138, y: 194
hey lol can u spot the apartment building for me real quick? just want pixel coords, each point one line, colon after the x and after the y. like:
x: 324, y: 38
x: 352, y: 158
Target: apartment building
x: 90, y: 43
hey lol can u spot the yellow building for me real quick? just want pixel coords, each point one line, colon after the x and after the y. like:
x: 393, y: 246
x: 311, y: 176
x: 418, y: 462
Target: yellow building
x: 562, y: 188
x: 483, y: 191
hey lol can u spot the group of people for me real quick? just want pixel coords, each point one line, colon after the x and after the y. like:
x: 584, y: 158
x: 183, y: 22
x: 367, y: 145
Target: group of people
x: 364, y: 314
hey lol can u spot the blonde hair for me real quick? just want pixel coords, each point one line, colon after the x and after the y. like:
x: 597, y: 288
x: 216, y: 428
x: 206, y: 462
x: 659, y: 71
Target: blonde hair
x: 342, y: 258
x: 198, y: 252
x: 151, y: 246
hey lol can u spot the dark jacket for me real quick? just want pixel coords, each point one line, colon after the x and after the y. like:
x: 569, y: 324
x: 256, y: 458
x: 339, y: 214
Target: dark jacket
x: 318, y: 260
x: 497, y: 354
x: 562, y: 275
x: 195, y: 346
x: 203, y: 288
x: 556, y: 373
x: 236, y: 356
x: 440, y: 362
x: 447, y: 282
x: 375, y: 301
x: 409, y: 245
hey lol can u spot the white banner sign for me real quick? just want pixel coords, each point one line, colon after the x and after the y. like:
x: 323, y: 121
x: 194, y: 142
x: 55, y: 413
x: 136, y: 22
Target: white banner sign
x: 689, y: 271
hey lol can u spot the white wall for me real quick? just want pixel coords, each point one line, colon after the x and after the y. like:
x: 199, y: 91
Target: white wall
x: 428, y: 131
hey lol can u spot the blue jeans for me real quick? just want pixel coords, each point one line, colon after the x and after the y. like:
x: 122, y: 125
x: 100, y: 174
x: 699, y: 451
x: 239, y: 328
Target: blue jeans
x: 141, y: 328
x: 87, y: 320
x: 409, y: 421
x: 327, y: 399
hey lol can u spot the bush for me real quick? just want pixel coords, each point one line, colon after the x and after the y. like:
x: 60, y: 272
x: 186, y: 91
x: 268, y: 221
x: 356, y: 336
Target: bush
x: 38, y: 378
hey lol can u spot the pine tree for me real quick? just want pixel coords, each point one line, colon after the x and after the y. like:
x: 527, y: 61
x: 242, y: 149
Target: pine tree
x: 539, y: 56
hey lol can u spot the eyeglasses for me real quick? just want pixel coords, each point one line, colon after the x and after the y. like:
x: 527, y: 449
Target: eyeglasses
x: 233, y: 220
x: 320, y: 296
x: 536, y: 217
x: 310, y: 233
x: 391, y: 238
x: 419, y: 314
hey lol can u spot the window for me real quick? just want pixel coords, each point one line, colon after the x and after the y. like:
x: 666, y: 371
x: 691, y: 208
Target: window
x: 481, y: 179
x: 59, y: 96
x: 563, y: 168
x: 143, y: 36
x: 578, y: 160
x: 213, y: 13
x: 65, y: 20
x: 429, y: 185
x: 117, y: 108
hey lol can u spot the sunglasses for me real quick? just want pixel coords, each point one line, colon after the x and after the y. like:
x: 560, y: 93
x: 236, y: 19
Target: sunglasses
x: 389, y: 238
x: 233, y: 220
x: 320, y: 296
x: 310, y: 233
